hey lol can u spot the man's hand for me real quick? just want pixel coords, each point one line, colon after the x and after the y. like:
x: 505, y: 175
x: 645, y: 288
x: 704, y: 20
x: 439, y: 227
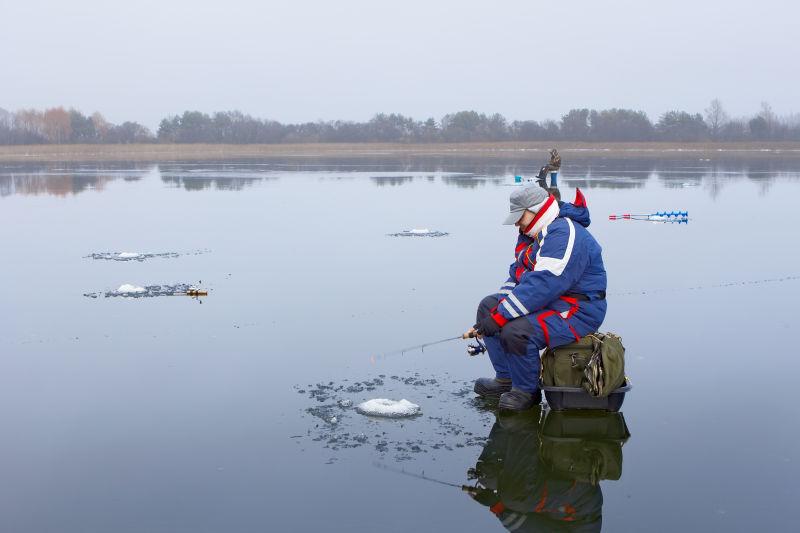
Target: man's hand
x: 471, y: 333
x: 487, y: 327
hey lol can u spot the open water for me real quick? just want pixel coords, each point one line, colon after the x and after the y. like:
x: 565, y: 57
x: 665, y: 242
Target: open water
x: 179, y: 414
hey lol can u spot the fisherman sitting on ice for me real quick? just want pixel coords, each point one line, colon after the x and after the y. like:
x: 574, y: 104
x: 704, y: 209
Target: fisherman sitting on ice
x: 555, y: 294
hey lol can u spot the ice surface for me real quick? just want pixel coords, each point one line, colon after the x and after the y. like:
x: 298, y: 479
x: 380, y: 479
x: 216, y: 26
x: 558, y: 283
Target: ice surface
x: 419, y: 230
x: 140, y: 256
x: 130, y: 289
x: 388, y: 408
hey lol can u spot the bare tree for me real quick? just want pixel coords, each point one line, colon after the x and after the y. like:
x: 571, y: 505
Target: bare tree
x: 101, y: 125
x: 716, y: 118
x: 769, y: 116
x: 57, y: 127
x: 29, y: 121
x: 5, y: 118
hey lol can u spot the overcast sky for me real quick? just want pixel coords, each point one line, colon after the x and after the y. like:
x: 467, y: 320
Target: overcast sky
x: 305, y: 60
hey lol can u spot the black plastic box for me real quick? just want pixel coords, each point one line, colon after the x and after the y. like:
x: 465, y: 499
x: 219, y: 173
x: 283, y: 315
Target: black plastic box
x: 566, y: 398
x: 585, y: 425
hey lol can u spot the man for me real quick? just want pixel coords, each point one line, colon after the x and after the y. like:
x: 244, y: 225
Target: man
x: 555, y: 160
x: 554, y: 295
x: 550, y: 170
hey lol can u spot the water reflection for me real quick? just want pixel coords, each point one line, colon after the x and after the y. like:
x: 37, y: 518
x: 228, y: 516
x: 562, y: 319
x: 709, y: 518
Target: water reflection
x: 609, y: 182
x: 466, y: 173
x: 226, y: 176
x: 203, y: 183
x: 468, y: 182
x: 542, y: 471
x: 382, y: 181
x: 63, y: 180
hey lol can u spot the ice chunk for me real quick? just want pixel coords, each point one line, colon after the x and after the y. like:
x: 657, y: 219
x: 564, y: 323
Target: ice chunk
x: 388, y: 408
x: 128, y: 255
x: 130, y: 289
x: 345, y: 403
x: 418, y: 232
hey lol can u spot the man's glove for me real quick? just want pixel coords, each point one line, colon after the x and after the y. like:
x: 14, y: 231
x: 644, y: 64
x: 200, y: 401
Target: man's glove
x: 487, y: 327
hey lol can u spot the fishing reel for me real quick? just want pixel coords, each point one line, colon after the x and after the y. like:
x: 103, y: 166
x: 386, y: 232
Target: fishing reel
x: 476, y: 349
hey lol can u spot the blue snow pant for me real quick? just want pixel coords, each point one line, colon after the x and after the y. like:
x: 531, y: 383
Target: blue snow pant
x: 515, y: 351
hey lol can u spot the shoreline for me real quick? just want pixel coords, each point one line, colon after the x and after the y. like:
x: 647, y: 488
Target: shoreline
x: 509, y: 150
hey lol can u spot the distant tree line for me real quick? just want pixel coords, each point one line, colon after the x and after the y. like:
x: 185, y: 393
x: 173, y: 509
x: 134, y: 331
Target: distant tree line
x: 61, y: 126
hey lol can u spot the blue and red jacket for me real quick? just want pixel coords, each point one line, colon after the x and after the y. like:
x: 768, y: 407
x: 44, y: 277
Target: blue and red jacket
x: 559, y: 271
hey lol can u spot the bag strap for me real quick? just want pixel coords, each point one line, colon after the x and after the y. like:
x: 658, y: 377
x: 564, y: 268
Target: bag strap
x: 594, y: 373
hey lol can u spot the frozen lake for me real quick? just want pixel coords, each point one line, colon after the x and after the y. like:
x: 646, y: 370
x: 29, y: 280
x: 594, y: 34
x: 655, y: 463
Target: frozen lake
x: 166, y: 414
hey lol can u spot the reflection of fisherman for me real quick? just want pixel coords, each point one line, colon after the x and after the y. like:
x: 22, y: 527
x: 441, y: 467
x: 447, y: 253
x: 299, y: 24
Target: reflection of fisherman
x: 533, y: 482
x: 554, y: 295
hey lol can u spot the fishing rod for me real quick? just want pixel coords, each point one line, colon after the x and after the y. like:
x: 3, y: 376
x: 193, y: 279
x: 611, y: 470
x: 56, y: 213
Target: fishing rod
x: 465, y: 488
x: 472, y: 349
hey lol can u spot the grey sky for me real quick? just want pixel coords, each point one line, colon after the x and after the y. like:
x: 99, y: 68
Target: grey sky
x: 306, y: 60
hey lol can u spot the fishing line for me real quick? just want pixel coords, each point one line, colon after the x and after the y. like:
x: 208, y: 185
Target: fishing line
x: 793, y: 277
x: 480, y: 347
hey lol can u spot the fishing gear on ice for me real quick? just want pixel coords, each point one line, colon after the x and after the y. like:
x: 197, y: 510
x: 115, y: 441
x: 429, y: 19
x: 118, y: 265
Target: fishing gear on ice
x: 679, y: 217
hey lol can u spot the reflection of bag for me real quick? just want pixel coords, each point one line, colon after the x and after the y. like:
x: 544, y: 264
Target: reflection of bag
x: 584, y: 461
x: 595, y: 363
x: 584, y: 447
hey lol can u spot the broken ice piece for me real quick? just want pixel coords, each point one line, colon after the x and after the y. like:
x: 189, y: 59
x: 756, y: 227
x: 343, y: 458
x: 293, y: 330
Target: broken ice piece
x: 388, y: 408
x: 419, y: 232
x: 130, y: 289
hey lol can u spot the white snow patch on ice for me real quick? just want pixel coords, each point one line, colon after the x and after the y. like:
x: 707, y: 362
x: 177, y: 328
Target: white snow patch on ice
x: 128, y: 255
x: 388, y: 408
x: 419, y: 230
x: 130, y: 289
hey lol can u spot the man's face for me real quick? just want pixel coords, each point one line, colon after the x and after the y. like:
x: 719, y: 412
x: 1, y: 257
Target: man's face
x: 525, y: 219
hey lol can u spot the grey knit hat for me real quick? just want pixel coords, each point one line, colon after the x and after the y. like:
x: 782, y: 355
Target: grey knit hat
x: 530, y: 198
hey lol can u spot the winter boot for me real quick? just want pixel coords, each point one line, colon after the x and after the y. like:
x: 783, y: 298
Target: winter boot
x: 518, y: 400
x: 491, y: 388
